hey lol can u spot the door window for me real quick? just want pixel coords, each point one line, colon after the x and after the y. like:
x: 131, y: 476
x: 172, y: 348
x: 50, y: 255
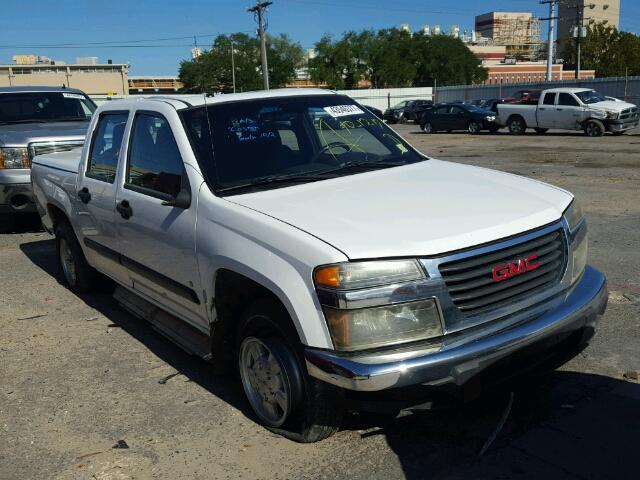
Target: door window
x: 456, y: 111
x: 105, y: 148
x: 568, y: 100
x: 549, y: 99
x: 155, y: 165
x: 442, y: 110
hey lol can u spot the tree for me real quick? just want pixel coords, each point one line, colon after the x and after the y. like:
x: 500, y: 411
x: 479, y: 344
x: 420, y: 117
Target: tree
x: 394, y: 58
x: 606, y: 50
x: 211, y: 72
x: 446, y: 60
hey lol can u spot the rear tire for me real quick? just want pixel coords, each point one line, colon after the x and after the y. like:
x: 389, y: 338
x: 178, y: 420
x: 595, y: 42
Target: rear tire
x: 78, y: 274
x: 516, y: 125
x: 280, y: 392
x: 541, y: 131
x: 594, y: 128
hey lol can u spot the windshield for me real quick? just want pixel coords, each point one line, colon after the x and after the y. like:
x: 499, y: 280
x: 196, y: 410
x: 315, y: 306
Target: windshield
x: 44, y: 107
x: 304, y: 138
x: 590, y: 96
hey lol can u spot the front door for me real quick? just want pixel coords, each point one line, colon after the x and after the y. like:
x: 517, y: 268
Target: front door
x: 458, y: 118
x: 97, y: 196
x: 158, y: 239
x: 568, y: 111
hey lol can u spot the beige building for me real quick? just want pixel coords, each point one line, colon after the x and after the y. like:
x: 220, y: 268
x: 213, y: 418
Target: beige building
x: 93, y: 79
x: 603, y: 11
x: 519, y: 32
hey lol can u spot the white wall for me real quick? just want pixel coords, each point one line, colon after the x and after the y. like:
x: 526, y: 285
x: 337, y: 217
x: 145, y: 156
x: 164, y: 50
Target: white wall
x: 384, y: 97
x: 375, y: 97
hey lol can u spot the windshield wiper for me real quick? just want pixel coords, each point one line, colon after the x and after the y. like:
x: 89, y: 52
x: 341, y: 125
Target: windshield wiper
x: 258, y: 182
x: 366, y: 164
x: 29, y: 120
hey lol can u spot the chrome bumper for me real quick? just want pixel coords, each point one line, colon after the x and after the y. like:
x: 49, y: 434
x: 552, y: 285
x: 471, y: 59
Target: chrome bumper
x: 457, y: 364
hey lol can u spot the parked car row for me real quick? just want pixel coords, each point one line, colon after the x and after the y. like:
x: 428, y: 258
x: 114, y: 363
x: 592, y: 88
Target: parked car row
x: 541, y: 110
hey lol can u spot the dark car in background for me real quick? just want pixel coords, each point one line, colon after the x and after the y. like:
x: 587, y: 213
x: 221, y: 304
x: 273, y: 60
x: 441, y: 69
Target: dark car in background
x: 407, y: 110
x: 376, y: 111
x: 458, y: 116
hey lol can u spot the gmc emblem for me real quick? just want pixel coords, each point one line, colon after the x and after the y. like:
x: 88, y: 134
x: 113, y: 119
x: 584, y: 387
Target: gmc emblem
x: 513, y: 269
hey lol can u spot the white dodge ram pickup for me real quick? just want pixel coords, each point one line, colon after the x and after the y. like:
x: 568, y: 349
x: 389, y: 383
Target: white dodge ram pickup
x: 570, y: 109
x: 294, y: 233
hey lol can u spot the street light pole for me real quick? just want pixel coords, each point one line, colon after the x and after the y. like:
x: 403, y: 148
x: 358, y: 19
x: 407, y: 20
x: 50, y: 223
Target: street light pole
x: 259, y: 11
x: 550, y: 41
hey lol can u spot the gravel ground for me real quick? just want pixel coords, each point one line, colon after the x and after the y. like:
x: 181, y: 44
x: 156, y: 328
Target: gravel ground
x: 78, y: 375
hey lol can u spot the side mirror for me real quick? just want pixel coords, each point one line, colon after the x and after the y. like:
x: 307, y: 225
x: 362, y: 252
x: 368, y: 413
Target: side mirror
x: 182, y: 200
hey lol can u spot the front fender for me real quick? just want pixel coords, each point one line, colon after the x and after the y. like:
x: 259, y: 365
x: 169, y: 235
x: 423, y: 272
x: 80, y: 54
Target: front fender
x: 272, y: 253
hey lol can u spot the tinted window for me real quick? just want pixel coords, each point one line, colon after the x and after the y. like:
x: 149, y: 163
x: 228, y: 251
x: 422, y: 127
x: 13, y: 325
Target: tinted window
x: 456, y: 110
x: 154, y: 159
x: 567, y: 99
x: 44, y: 107
x: 105, y: 148
x: 442, y: 110
x: 549, y: 99
x: 241, y: 142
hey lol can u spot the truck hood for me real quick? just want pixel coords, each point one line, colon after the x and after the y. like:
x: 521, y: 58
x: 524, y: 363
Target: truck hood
x: 425, y: 209
x: 612, y: 106
x: 22, y: 134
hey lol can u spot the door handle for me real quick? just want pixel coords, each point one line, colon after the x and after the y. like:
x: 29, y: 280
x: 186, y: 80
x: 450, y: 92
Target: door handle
x: 124, y: 209
x: 84, y: 195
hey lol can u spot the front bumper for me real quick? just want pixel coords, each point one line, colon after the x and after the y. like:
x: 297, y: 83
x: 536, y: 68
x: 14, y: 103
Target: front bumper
x: 459, y: 363
x: 622, y: 125
x: 16, y: 194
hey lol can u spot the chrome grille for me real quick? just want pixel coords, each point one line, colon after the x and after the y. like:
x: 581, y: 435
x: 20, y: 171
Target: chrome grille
x: 629, y: 113
x: 52, y: 147
x: 473, y: 289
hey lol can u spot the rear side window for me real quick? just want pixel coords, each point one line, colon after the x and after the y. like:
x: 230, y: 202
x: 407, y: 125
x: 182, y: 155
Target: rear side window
x: 549, y: 99
x: 568, y: 100
x: 155, y: 165
x: 105, y: 148
x: 442, y: 110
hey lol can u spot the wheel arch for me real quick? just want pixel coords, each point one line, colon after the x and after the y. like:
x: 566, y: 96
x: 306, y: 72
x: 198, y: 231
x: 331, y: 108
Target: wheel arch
x: 514, y: 116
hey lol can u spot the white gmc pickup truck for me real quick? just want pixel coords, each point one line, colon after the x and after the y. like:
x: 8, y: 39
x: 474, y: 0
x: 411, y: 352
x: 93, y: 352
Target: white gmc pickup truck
x: 297, y: 235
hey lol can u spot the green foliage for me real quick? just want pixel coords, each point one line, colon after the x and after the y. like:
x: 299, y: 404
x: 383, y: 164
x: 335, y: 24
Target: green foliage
x: 606, y: 50
x: 211, y: 72
x: 394, y: 58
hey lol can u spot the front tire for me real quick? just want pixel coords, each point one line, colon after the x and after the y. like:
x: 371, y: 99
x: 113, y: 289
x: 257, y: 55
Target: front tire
x: 594, y: 128
x: 474, y: 127
x: 280, y: 392
x: 77, y: 273
x: 427, y: 127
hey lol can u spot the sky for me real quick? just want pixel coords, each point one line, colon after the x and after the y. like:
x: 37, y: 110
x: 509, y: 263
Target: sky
x: 127, y: 31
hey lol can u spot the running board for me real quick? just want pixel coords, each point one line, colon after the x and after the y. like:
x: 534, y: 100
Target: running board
x: 178, y: 331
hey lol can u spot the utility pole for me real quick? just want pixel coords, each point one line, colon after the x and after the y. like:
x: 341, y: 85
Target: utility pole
x: 233, y: 67
x: 578, y: 30
x: 259, y: 11
x: 550, y: 39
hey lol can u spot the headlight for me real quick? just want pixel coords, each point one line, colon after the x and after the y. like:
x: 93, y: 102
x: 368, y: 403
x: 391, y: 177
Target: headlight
x: 573, y: 215
x: 490, y: 118
x: 14, y: 157
x: 385, y: 325
x: 351, y: 276
x: 612, y: 114
x: 380, y: 321
x: 577, y: 238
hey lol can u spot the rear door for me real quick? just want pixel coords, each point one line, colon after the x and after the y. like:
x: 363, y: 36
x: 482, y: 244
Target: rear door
x: 158, y: 238
x: 568, y: 111
x: 439, y: 118
x: 547, y: 111
x: 97, y: 195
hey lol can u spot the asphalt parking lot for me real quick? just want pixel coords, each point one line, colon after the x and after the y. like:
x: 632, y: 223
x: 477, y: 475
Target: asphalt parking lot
x: 79, y: 375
